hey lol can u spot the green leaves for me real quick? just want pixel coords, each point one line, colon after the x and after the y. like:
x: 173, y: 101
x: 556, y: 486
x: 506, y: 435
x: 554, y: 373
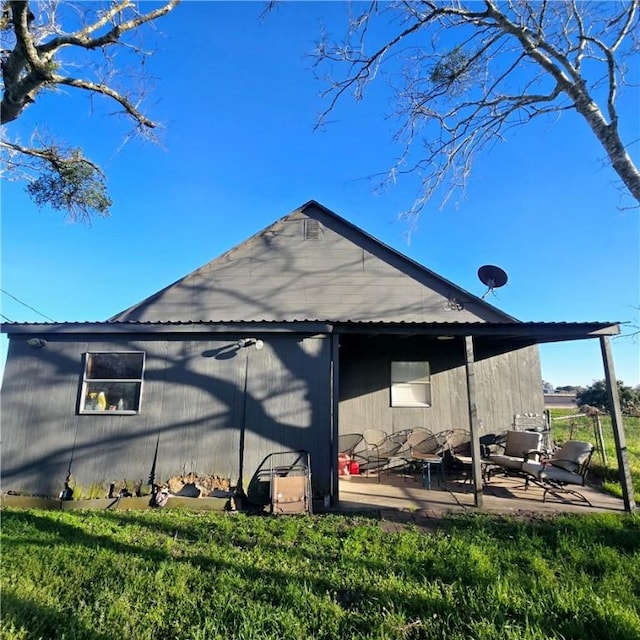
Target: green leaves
x: 72, y: 184
x: 595, y: 395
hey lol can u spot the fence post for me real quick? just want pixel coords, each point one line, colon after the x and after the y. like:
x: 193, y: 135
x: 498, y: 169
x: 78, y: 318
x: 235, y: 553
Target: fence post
x: 597, y: 425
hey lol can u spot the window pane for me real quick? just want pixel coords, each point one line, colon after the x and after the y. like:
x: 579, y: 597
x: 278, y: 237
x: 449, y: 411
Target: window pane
x: 410, y: 395
x: 112, y: 396
x: 114, y: 365
x: 410, y: 372
x: 112, y: 382
x: 410, y: 384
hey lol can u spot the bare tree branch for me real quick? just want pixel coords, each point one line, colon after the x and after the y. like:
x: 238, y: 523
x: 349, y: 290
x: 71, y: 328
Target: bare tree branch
x: 31, y: 66
x: 81, y: 39
x: 514, y: 61
x: 106, y: 90
x: 31, y: 63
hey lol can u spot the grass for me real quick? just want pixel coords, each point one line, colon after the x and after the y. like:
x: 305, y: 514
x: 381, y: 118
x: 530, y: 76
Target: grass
x: 565, y: 427
x: 202, y: 576
x: 182, y: 575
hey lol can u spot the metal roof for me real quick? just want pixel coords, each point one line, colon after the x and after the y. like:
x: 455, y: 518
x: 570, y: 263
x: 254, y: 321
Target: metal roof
x: 534, y: 332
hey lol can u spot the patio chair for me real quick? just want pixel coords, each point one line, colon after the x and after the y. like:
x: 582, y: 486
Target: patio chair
x: 401, y: 437
x: 373, y: 437
x: 457, y: 452
x: 426, y: 450
x: 567, y: 467
x: 383, y: 441
x: 458, y: 443
x: 519, y: 447
x: 491, y: 443
x: 460, y: 451
x: 347, y: 443
x: 380, y: 448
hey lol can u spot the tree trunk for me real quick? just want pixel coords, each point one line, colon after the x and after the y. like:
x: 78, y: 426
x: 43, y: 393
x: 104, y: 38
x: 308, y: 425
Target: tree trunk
x: 609, y: 138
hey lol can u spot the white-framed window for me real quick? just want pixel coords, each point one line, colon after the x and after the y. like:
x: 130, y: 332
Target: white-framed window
x: 112, y: 381
x: 410, y: 384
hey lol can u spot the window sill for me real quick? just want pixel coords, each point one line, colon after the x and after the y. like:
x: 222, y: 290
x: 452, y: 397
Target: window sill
x: 107, y: 412
x: 411, y: 406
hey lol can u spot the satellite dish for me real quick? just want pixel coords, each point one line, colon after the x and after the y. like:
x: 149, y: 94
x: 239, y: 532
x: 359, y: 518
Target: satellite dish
x: 492, y: 276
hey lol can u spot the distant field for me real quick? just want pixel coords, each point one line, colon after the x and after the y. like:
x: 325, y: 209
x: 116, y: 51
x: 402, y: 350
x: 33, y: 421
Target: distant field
x: 566, y: 426
x: 560, y: 401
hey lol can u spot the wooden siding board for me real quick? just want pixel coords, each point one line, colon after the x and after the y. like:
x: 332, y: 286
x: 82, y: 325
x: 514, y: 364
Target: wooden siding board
x: 38, y: 431
x: 456, y: 393
x: 510, y: 383
x: 505, y: 384
x: 278, y: 275
x: 192, y: 401
x: 292, y: 405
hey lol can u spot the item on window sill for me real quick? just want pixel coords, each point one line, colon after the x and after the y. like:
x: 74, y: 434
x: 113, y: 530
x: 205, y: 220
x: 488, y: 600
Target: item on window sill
x: 101, y: 402
x: 120, y: 404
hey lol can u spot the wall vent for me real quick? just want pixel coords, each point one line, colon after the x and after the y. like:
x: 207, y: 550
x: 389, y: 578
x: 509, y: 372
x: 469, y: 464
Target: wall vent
x: 311, y: 229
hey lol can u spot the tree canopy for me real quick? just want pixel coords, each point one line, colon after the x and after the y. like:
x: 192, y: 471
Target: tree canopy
x: 37, y: 39
x: 466, y: 73
x: 595, y: 395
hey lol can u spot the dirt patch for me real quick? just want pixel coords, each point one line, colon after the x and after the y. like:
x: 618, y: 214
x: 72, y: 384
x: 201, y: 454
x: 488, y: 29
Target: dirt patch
x: 432, y: 521
x: 193, y: 486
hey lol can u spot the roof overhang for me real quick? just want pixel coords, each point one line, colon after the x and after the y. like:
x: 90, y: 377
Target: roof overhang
x: 491, y: 338
x: 146, y: 328
x: 531, y: 332
x: 518, y: 333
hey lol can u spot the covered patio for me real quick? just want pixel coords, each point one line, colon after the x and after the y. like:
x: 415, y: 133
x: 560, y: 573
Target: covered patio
x: 477, y: 341
x: 502, y: 495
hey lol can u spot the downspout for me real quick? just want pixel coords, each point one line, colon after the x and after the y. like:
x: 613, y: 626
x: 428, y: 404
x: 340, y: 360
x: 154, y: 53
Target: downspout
x: 243, y: 427
x: 618, y: 426
x: 246, y: 344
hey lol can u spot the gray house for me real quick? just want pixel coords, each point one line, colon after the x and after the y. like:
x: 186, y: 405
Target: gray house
x: 307, y: 330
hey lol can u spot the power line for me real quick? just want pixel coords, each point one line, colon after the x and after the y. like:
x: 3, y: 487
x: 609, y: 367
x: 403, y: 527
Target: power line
x: 5, y: 317
x: 24, y: 304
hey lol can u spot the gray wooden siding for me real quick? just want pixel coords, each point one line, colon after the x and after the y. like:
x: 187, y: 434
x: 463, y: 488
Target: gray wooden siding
x: 193, y: 404
x: 507, y: 384
x: 340, y: 275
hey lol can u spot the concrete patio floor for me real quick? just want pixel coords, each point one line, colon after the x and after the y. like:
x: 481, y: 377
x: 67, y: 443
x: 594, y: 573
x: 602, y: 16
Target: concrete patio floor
x: 502, y: 495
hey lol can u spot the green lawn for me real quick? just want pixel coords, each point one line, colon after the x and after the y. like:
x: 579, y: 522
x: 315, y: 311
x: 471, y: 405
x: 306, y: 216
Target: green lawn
x: 167, y: 574
x: 582, y: 428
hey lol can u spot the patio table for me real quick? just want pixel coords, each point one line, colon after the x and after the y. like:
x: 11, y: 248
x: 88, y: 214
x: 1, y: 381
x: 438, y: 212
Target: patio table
x: 425, y: 461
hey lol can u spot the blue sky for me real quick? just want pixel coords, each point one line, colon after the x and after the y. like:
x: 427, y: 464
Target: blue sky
x: 238, y: 99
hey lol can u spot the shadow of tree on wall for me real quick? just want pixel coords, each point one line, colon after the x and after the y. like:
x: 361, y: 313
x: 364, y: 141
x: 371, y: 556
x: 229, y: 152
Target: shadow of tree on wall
x: 277, y: 411
x: 344, y: 274
x: 201, y: 400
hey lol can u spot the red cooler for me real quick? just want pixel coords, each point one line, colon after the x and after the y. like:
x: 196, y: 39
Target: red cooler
x: 344, y: 464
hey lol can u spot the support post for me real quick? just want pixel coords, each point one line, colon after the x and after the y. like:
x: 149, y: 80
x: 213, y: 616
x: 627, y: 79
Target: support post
x: 474, y: 423
x: 617, y: 424
x: 335, y: 397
